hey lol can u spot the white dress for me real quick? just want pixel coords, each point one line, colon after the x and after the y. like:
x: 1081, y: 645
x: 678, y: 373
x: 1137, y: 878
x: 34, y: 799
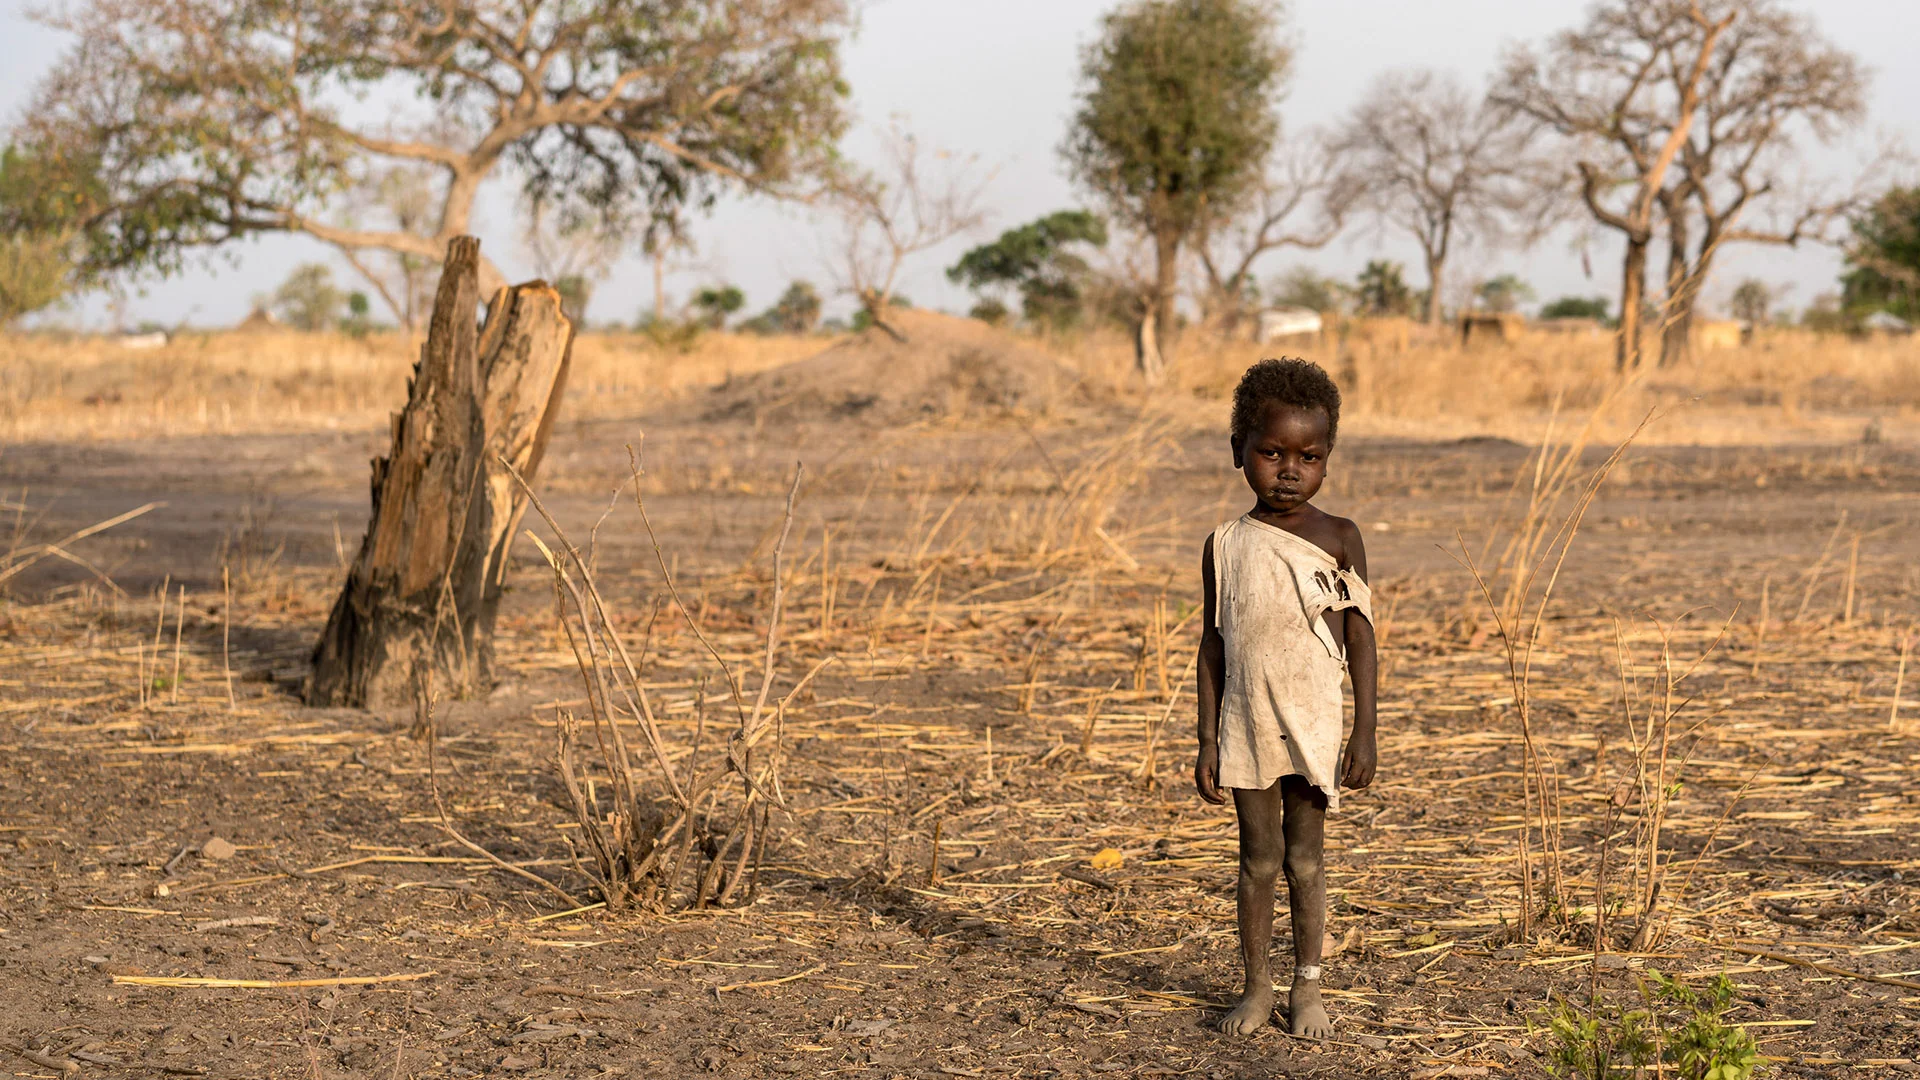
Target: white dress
x: 1281, y: 710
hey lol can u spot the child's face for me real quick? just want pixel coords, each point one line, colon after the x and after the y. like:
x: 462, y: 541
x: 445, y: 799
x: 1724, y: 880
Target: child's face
x: 1285, y: 456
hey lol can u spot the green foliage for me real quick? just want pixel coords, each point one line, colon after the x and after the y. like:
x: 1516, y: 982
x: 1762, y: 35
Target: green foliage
x: 218, y: 120
x: 1179, y: 110
x: 1884, y: 259
x: 863, y: 319
x: 308, y: 299
x: 1682, y: 1028
x: 1036, y: 261
x: 796, y: 312
x: 43, y: 203
x: 359, y: 320
x: 715, y: 303
x: 1381, y: 289
x: 990, y: 311
x: 1503, y: 293
x: 1176, y: 121
x: 1751, y: 300
x: 1301, y: 287
x: 1576, y: 307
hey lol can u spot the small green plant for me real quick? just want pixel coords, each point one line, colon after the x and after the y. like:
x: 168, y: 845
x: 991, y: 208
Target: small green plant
x: 1682, y: 1028
x: 1705, y: 1046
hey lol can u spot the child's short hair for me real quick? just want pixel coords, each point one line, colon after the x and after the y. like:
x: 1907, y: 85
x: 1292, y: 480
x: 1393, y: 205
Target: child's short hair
x: 1289, y: 381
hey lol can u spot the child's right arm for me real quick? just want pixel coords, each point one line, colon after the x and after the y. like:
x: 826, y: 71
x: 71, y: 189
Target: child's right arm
x: 1212, y: 673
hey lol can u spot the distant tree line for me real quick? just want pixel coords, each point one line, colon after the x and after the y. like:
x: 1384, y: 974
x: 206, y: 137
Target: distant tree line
x: 1674, y: 125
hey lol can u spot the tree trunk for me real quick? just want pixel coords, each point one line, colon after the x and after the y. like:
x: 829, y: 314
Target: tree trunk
x: 660, y: 284
x: 1146, y: 348
x: 420, y: 599
x: 1436, y: 266
x: 1676, y: 309
x: 1166, y: 287
x: 1633, y: 292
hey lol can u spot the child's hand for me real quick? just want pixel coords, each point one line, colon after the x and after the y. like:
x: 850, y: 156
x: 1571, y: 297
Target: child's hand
x: 1357, y: 764
x: 1206, y: 775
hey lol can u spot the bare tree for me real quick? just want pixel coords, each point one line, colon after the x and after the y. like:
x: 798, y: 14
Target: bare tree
x: 888, y: 216
x: 399, y: 198
x: 1300, y: 203
x: 1773, y: 81
x: 216, y: 119
x: 1625, y: 89
x: 1424, y: 154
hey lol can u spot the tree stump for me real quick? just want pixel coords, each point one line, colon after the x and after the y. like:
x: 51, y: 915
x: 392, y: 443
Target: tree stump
x: 419, y: 603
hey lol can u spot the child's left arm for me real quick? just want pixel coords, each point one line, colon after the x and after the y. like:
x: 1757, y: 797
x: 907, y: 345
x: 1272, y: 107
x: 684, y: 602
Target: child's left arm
x: 1363, y: 666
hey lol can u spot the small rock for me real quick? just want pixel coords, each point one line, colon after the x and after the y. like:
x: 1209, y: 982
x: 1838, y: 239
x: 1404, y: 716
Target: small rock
x: 516, y: 1063
x: 96, y: 961
x: 218, y: 850
x: 1610, y: 962
x: 1371, y: 1042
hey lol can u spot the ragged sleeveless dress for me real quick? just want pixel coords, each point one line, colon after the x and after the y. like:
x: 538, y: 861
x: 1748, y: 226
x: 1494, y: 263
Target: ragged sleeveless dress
x: 1281, y: 711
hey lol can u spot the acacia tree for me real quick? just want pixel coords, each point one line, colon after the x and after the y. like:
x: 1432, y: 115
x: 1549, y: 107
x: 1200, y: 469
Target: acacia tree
x: 217, y: 119
x: 1038, y: 261
x: 1423, y: 154
x: 1624, y: 89
x: 1177, y: 117
x: 1773, y: 81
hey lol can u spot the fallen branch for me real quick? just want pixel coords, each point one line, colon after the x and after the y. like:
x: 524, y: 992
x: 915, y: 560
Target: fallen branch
x: 1828, y: 969
x: 268, y: 984
x: 27, y: 557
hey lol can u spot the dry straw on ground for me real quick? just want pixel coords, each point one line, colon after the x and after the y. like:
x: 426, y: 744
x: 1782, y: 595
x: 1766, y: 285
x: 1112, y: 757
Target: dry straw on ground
x: 987, y: 766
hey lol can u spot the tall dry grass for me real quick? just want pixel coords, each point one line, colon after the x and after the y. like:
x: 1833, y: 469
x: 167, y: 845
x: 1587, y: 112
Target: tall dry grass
x: 238, y: 383
x: 1818, y: 384
x: 82, y: 388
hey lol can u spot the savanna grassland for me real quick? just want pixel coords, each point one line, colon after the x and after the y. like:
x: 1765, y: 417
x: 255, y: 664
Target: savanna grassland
x: 989, y: 860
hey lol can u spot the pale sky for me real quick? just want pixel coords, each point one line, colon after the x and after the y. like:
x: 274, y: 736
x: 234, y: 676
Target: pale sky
x: 995, y: 78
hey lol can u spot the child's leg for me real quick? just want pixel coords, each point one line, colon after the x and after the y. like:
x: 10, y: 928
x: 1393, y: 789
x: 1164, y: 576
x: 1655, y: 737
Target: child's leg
x: 1262, y: 845
x: 1305, y: 831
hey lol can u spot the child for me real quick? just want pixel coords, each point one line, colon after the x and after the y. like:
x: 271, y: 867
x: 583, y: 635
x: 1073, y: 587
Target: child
x: 1288, y: 611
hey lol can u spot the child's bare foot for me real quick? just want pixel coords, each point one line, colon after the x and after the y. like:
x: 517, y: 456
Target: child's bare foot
x: 1306, y: 1017
x: 1253, y: 1012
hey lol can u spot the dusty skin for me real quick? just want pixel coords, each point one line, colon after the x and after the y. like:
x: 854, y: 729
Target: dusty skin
x: 853, y: 959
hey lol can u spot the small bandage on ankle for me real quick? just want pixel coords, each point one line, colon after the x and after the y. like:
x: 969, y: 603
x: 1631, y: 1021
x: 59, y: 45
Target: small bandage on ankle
x: 1309, y: 972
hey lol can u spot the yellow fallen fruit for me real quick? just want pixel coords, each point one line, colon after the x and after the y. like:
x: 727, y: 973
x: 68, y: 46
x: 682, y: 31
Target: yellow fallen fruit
x: 1107, y: 859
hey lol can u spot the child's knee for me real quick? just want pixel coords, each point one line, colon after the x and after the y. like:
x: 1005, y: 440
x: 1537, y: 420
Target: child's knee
x: 1303, y: 868
x: 1262, y: 864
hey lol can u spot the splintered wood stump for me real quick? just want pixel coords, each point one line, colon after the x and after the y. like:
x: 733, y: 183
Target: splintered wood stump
x: 418, y: 608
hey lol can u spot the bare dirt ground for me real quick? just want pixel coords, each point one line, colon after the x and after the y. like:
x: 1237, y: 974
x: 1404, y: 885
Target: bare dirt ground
x: 1000, y: 683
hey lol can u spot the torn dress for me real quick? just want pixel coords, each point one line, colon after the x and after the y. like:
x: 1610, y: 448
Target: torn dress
x: 1281, y: 710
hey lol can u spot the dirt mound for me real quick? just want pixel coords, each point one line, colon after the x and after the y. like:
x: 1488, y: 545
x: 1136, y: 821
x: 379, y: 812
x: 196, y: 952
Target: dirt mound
x: 946, y: 367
